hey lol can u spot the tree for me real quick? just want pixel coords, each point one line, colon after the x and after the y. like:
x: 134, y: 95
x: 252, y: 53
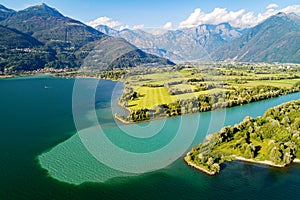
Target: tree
x: 215, y: 167
x: 210, y: 161
x: 275, y: 155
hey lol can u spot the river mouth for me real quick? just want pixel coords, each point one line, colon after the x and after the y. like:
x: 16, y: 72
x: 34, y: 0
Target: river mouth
x: 46, y: 136
x: 105, y: 149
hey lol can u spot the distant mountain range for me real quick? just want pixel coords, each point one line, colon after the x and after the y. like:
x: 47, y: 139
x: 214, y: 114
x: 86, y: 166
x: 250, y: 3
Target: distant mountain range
x: 40, y: 36
x: 277, y: 39
x: 179, y: 45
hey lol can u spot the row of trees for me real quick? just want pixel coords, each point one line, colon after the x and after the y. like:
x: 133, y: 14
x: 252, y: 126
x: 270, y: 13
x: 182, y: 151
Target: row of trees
x: 213, y: 101
x: 224, y: 99
x: 194, y: 87
x: 139, y: 115
x: 113, y: 74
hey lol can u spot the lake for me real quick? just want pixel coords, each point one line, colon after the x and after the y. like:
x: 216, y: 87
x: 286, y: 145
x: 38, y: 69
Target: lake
x: 43, y: 156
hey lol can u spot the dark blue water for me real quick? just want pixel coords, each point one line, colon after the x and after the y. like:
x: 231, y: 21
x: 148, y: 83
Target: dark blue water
x: 36, y: 119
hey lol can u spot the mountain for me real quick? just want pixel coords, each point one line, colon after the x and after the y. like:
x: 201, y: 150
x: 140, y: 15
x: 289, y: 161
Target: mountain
x: 110, y: 53
x: 48, y: 26
x: 108, y: 31
x: 179, y: 45
x: 212, y: 36
x: 11, y: 38
x: 19, y: 51
x: 277, y: 39
x: 5, y: 12
x: 62, y: 36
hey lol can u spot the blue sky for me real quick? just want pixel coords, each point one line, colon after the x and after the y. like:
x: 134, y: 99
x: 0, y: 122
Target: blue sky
x: 155, y: 13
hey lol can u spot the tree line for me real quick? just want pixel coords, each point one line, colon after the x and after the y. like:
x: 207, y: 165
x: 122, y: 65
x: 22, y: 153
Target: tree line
x: 213, y: 101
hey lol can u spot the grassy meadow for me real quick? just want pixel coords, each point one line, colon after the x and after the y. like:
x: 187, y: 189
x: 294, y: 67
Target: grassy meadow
x: 165, y: 86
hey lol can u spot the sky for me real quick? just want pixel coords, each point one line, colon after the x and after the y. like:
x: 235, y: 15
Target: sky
x: 165, y: 14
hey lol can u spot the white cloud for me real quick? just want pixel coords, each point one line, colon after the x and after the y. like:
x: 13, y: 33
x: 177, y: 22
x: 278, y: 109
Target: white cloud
x: 124, y: 27
x: 104, y: 21
x: 239, y: 18
x: 217, y: 16
x: 289, y: 9
x: 140, y: 26
x: 159, y: 30
x: 272, y: 6
x: 168, y: 26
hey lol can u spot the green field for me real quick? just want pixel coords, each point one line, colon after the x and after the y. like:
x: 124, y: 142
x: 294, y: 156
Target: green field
x: 162, y: 86
x: 288, y: 83
x: 183, y: 87
x: 150, y: 97
x: 153, y: 96
x: 158, y: 78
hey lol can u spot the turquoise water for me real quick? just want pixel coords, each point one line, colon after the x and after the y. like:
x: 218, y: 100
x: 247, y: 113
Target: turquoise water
x: 43, y: 157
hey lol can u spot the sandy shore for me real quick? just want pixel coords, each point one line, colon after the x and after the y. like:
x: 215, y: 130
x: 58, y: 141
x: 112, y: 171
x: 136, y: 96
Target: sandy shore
x: 199, y: 168
x: 265, y: 162
x: 296, y: 160
x: 4, y: 77
x: 239, y: 158
x: 122, y: 120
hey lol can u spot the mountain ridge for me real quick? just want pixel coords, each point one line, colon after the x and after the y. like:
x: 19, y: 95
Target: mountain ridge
x: 5, y: 12
x: 277, y: 39
x: 45, y: 23
x: 64, y: 38
x: 179, y: 45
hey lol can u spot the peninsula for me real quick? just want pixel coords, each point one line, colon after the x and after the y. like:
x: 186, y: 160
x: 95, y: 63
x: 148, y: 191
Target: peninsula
x: 152, y: 93
x: 273, y: 139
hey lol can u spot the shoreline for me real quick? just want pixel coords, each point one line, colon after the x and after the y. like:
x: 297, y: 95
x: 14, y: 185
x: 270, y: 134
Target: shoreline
x: 148, y: 120
x: 166, y: 117
x: 265, y: 162
x: 296, y: 160
x: 5, y: 77
x: 199, y: 168
x: 128, y: 109
x: 241, y: 159
x: 117, y: 117
x: 137, y: 122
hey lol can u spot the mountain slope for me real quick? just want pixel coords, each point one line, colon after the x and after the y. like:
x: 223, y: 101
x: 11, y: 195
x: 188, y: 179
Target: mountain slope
x: 11, y: 38
x: 211, y: 37
x: 47, y: 25
x: 19, y: 51
x: 62, y: 34
x: 179, y: 45
x: 61, y: 37
x: 5, y: 12
x: 110, y: 53
x: 277, y: 39
x: 108, y: 31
